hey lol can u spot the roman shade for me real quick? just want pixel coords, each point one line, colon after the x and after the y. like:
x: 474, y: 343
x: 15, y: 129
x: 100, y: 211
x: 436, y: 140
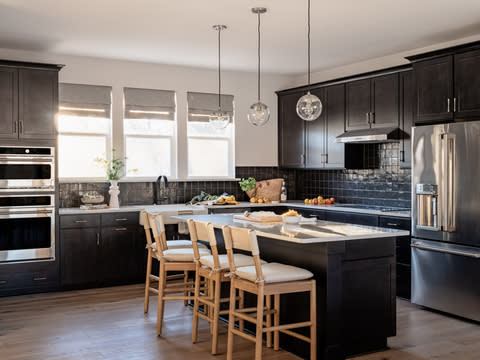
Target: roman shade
x: 85, y: 100
x: 202, y: 105
x: 149, y: 104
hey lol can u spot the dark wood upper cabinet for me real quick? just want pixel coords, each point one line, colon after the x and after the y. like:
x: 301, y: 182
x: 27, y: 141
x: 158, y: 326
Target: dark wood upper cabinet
x: 385, y: 101
x: 467, y: 85
x: 407, y: 110
x: 358, y: 99
x: 38, y: 103
x: 28, y: 101
x: 372, y: 102
x: 434, y: 90
x: 291, y: 144
x: 335, y: 125
x: 315, y: 135
x: 8, y: 103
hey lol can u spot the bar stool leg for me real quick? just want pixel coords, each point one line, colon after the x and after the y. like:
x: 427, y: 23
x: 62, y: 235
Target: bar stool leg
x: 196, y: 305
x: 185, y: 279
x: 241, y: 304
x: 276, y: 322
x: 147, y: 282
x: 161, y: 301
x: 269, y: 320
x: 313, y: 319
x: 211, y: 296
x: 259, y: 332
x: 231, y: 320
x: 216, y: 311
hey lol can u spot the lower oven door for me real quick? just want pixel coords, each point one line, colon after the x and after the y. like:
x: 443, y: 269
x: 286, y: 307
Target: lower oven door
x: 27, y: 236
x: 445, y: 277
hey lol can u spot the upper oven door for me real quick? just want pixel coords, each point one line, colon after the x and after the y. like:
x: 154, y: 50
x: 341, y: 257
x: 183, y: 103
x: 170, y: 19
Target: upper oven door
x: 32, y: 171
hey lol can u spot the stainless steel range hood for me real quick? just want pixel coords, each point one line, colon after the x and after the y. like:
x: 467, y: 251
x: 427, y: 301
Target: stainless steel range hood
x: 371, y: 136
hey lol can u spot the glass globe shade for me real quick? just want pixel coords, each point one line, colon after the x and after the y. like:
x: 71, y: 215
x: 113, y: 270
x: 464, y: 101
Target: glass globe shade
x: 258, y: 114
x: 219, y: 119
x: 309, y: 107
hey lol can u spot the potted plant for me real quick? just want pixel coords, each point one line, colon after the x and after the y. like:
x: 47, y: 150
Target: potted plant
x: 113, y: 170
x: 248, y: 185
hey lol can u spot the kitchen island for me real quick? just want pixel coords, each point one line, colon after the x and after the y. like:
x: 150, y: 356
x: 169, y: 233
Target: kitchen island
x: 354, y: 267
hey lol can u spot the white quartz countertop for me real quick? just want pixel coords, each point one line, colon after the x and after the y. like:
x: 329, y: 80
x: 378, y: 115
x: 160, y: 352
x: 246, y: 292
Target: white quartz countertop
x: 203, y: 208
x: 320, y: 232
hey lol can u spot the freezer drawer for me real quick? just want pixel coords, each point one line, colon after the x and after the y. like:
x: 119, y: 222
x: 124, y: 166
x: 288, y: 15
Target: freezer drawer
x: 445, y: 277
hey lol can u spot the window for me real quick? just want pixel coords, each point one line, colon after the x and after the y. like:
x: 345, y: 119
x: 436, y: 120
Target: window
x: 150, y: 132
x: 84, y: 128
x: 211, y: 151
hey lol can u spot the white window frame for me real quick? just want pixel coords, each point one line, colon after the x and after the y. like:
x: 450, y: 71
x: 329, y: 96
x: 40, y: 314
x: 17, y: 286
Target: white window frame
x: 173, y: 153
x: 108, y: 154
x: 231, y: 154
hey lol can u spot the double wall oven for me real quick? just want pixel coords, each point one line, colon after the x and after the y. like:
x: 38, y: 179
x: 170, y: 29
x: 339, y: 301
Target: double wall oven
x: 27, y: 203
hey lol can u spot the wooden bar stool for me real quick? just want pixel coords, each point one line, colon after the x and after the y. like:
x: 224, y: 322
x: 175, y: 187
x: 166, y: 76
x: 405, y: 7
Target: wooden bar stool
x: 214, y: 269
x: 164, y: 245
x: 178, y: 259
x: 266, y: 280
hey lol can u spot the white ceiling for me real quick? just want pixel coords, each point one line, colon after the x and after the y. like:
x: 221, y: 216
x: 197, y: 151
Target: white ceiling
x: 179, y: 31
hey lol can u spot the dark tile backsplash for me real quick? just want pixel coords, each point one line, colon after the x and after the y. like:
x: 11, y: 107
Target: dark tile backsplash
x: 388, y: 185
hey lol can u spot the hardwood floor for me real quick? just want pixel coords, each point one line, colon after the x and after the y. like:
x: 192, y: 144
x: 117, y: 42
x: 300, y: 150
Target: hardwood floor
x: 109, y: 323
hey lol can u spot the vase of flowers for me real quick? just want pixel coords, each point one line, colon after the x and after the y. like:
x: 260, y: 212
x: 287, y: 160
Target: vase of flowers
x: 113, y: 170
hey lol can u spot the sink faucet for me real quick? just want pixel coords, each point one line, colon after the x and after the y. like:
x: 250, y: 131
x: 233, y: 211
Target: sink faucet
x: 157, y: 198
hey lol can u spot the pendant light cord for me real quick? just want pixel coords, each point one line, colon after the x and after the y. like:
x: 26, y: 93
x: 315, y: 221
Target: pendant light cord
x: 219, y: 73
x: 258, y: 80
x: 308, y: 36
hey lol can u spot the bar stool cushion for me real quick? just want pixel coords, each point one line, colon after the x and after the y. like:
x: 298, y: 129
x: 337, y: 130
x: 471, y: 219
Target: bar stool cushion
x: 274, y: 272
x: 239, y: 259
x: 183, y: 254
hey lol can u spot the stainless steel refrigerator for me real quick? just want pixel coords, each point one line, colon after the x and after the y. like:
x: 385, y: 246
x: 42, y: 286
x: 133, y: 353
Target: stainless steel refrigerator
x: 446, y: 218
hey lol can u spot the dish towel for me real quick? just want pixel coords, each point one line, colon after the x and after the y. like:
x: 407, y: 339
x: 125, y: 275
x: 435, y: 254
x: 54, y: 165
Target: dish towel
x: 183, y: 228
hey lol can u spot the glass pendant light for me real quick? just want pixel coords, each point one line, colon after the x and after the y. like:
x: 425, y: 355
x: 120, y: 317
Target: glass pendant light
x: 258, y: 113
x: 219, y: 119
x: 309, y: 107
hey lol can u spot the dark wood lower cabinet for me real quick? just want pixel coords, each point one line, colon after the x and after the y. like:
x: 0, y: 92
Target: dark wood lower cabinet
x: 96, y: 255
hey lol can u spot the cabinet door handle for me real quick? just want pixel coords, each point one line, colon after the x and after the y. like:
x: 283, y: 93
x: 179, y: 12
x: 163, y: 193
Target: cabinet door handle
x: 98, y: 239
x: 20, y: 127
x: 15, y: 127
x: 43, y: 278
x: 448, y: 105
x: 454, y: 104
x: 121, y: 219
x: 402, y: 156
x: 121, y: 229
x: 367, y: 117
x: 326, y: 158
x: 392, y: 224
x: 81, y: 221
x: 302, y: 159
x: 372, y: 118
x: 3, y: 282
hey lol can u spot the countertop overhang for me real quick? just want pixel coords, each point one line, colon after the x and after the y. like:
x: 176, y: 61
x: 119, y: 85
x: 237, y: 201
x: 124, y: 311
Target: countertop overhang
x: 320, y: 232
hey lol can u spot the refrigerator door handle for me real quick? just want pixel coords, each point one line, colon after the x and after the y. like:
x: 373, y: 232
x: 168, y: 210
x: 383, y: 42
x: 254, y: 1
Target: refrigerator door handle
x: 421, y: 246
x: 448, y: 188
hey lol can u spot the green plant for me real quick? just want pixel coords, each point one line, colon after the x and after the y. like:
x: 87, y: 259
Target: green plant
x: 247, y: 184
x: 112, y: 167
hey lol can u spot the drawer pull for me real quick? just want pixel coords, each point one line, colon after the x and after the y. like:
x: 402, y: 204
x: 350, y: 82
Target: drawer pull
x: 81, y: 221
x: 3, y: 282
x: 39, y: 278
x: 121, y: 219
x: 121, y: 229
x: 392, y: 224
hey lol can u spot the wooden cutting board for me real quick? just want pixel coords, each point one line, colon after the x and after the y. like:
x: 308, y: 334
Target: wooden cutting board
x: 262, y: 220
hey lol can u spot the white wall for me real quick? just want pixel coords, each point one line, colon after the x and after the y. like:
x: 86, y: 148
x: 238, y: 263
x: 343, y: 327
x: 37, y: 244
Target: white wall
x: 373, y: 64
x: 254, y: 146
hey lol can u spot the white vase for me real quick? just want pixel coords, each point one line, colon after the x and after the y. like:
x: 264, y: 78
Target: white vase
x: 114, y: 191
